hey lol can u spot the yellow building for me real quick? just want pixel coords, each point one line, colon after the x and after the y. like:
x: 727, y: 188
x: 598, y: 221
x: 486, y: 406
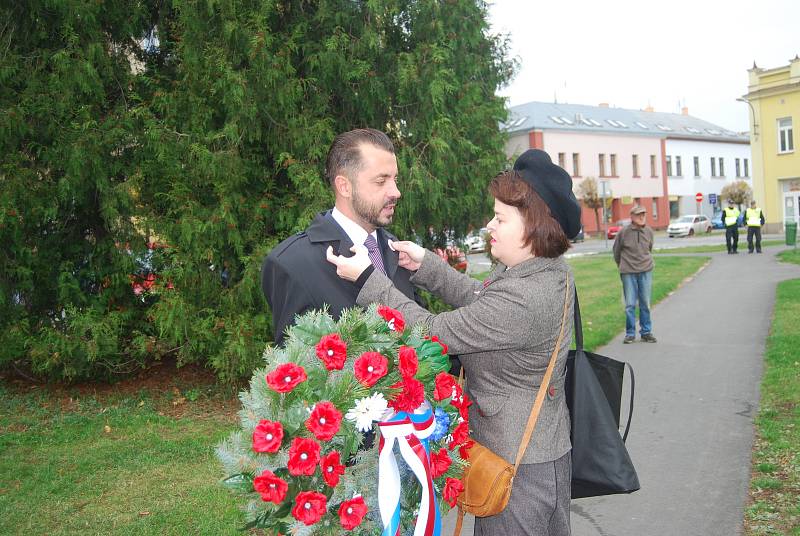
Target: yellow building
x: 774, y: 95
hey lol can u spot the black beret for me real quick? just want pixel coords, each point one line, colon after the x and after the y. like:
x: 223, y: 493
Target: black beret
x: 554, y: 186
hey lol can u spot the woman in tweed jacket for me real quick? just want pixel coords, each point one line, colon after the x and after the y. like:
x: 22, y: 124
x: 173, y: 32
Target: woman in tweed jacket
x: 504, y: 331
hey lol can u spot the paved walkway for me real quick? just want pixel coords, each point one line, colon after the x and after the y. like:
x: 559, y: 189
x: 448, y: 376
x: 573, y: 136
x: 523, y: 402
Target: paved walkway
x: 696, y: 396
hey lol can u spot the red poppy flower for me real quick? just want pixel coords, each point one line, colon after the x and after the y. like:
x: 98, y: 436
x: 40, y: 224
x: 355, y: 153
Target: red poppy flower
x: 409, y: 363
x: 370, y: 367
x: 452, y: 489
x: 393, y: 317
x: 460, y: 435
x: 285, y: 377
x: 445, y: 386
x: 324, y: 421
x: 303, y: 456
x: 332, y: 350
x: 434, y: 338
x: 332, y: 468
x: 440, y: 463
x: 463, y: 450
x: 410, y: 397
x: 267, y: 436
x: 271, y: 488
x: 352, y: 512
x: 463, y: 403
x: 309, y: 507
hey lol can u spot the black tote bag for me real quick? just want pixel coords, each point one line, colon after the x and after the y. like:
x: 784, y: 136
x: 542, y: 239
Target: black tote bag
x: 600, y: 462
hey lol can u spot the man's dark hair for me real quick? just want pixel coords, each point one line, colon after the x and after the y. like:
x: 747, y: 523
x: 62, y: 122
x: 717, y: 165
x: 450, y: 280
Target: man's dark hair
x: 345, y: 152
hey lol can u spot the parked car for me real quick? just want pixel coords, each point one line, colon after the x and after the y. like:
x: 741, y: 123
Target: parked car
x: 578, y: 237
x: 716, y: 221
x: 617, y: 227
x: 689, y: 225
x: 475, y: 242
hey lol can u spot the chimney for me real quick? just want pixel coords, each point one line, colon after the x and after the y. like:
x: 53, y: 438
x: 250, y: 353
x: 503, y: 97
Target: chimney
x: 603, y: 105
x: 649, y: 109
x: 685, y: 110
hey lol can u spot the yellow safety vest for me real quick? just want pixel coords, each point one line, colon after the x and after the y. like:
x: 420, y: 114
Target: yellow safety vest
x: 731, y: 215
x: 753, y: 217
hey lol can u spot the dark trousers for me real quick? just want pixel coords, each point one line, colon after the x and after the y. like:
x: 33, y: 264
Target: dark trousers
x: 732, y: 238
x: 751, y: 232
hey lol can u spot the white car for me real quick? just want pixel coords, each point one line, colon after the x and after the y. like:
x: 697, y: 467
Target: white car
x: 689, y: 225
x: 475, y: 241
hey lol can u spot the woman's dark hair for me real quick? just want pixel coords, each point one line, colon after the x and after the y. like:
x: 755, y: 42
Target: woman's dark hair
x: 543, y: 233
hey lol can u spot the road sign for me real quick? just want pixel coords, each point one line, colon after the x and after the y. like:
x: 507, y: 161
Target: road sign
x: 712, y: 199
x: 698, y: 197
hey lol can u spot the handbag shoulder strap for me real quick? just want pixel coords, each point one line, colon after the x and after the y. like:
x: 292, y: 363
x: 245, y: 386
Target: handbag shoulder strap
x: 544, y: 386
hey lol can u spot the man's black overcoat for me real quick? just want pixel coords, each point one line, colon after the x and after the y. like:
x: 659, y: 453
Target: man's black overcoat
x: 296, y: 276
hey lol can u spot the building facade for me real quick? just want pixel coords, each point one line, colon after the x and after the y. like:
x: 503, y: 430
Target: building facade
x: 627, y: 152
x: 774, y: 97
x: 699, y: 166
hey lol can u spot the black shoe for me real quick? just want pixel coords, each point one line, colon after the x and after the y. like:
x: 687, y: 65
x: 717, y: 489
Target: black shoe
x: 648, y: 337
x: 735, y: 252
x: 628, y: 339
x: 758, y: 252
x: 750, y: 252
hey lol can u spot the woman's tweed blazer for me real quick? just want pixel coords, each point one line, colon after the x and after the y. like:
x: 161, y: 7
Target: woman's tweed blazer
x: 504, y: 331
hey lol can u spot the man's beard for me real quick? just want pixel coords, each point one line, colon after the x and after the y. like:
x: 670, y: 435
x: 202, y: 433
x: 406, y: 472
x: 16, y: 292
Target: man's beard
x: 371, y: 214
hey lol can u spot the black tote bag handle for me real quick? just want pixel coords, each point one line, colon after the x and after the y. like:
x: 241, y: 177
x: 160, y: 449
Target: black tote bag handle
x: 579, y: 347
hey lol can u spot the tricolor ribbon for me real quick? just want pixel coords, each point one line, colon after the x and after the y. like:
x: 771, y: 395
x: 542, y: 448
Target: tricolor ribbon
x: 410, y: 431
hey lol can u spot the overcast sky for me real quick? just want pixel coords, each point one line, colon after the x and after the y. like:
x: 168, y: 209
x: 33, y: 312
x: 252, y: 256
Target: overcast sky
x: 633, y: 53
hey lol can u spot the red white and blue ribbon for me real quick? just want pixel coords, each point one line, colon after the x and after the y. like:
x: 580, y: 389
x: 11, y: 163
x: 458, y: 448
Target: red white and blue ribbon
x: 410, y: 431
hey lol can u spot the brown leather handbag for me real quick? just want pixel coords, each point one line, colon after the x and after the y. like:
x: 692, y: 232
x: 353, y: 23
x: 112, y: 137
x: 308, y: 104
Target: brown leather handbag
x: 489, y: 478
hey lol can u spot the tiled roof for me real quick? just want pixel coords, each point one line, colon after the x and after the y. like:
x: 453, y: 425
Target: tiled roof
x: 583, y: 118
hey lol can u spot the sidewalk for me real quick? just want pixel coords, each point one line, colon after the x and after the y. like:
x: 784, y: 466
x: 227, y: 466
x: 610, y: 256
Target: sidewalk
x: 696, y: 398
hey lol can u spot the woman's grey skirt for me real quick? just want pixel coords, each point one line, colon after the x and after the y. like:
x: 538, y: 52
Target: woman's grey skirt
x: 539, y: 503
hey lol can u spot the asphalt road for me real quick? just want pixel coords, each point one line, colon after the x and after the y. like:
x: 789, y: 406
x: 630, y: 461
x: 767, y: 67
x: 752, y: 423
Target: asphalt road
x: 479, y: 262
x: 697, y: 393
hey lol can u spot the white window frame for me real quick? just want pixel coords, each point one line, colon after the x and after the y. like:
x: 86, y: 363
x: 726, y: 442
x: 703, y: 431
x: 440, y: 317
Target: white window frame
x: 785, y: 135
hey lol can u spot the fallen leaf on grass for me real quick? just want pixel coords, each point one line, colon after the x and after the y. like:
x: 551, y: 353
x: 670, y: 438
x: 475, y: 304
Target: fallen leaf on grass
x: 107, y: 429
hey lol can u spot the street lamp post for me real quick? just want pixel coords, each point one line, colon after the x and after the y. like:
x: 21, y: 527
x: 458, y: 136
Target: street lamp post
x: 752, y: 111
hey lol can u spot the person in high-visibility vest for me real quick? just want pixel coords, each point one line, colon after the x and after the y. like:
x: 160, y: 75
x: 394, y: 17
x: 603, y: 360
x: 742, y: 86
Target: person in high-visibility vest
x: 730, y: 217
x: 754, y: 219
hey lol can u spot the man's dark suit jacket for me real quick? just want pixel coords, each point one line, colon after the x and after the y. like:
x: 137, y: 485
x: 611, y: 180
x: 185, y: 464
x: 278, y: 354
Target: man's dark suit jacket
x: 296, y: 276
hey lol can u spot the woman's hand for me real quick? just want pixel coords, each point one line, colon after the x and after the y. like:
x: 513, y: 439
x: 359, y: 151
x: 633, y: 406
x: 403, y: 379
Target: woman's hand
x: 411, y: 255
x: 350, y: 268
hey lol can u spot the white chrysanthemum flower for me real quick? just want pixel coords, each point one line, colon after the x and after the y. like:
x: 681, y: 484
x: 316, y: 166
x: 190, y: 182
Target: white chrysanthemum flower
x: 366, y: 410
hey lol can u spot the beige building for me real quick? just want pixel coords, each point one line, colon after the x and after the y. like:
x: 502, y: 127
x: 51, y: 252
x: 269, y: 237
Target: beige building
x: 774, y: 97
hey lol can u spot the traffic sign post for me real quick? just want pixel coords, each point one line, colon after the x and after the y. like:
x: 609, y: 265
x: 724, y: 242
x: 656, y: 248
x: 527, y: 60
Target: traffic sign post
x: 699, y: 198
x: 712, y: 199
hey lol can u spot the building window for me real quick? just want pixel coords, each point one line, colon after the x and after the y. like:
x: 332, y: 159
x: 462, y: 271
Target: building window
x: 785, y: 135
x: 721, y: 166
x: 635, y: 161
x: 562, y: 158
x: 696, y: 166
x: 713, y: 167
x: 653, y: 166
x: 738, y: 168
x: 746, y: 168
x: 655, y: 210
x: 576, y: 168
x: 613, y: 165
x: 678, y: 167
x: 669, y: 166
x: 601, y: 162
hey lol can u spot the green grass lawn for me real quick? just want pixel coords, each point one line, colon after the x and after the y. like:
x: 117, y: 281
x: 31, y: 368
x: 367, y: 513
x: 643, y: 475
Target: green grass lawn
x: 775, y: 485
x: 124, y: 464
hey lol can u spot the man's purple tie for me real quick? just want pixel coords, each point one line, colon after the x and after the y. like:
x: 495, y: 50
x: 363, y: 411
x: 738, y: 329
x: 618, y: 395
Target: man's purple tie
x: 374, y: 253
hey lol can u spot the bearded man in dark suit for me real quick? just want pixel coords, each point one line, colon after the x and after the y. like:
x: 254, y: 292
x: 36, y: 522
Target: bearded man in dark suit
x: 362, y: 170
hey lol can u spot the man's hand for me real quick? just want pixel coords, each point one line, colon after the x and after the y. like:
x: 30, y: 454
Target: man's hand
x: 350, y: 268
x: 411, y: 255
